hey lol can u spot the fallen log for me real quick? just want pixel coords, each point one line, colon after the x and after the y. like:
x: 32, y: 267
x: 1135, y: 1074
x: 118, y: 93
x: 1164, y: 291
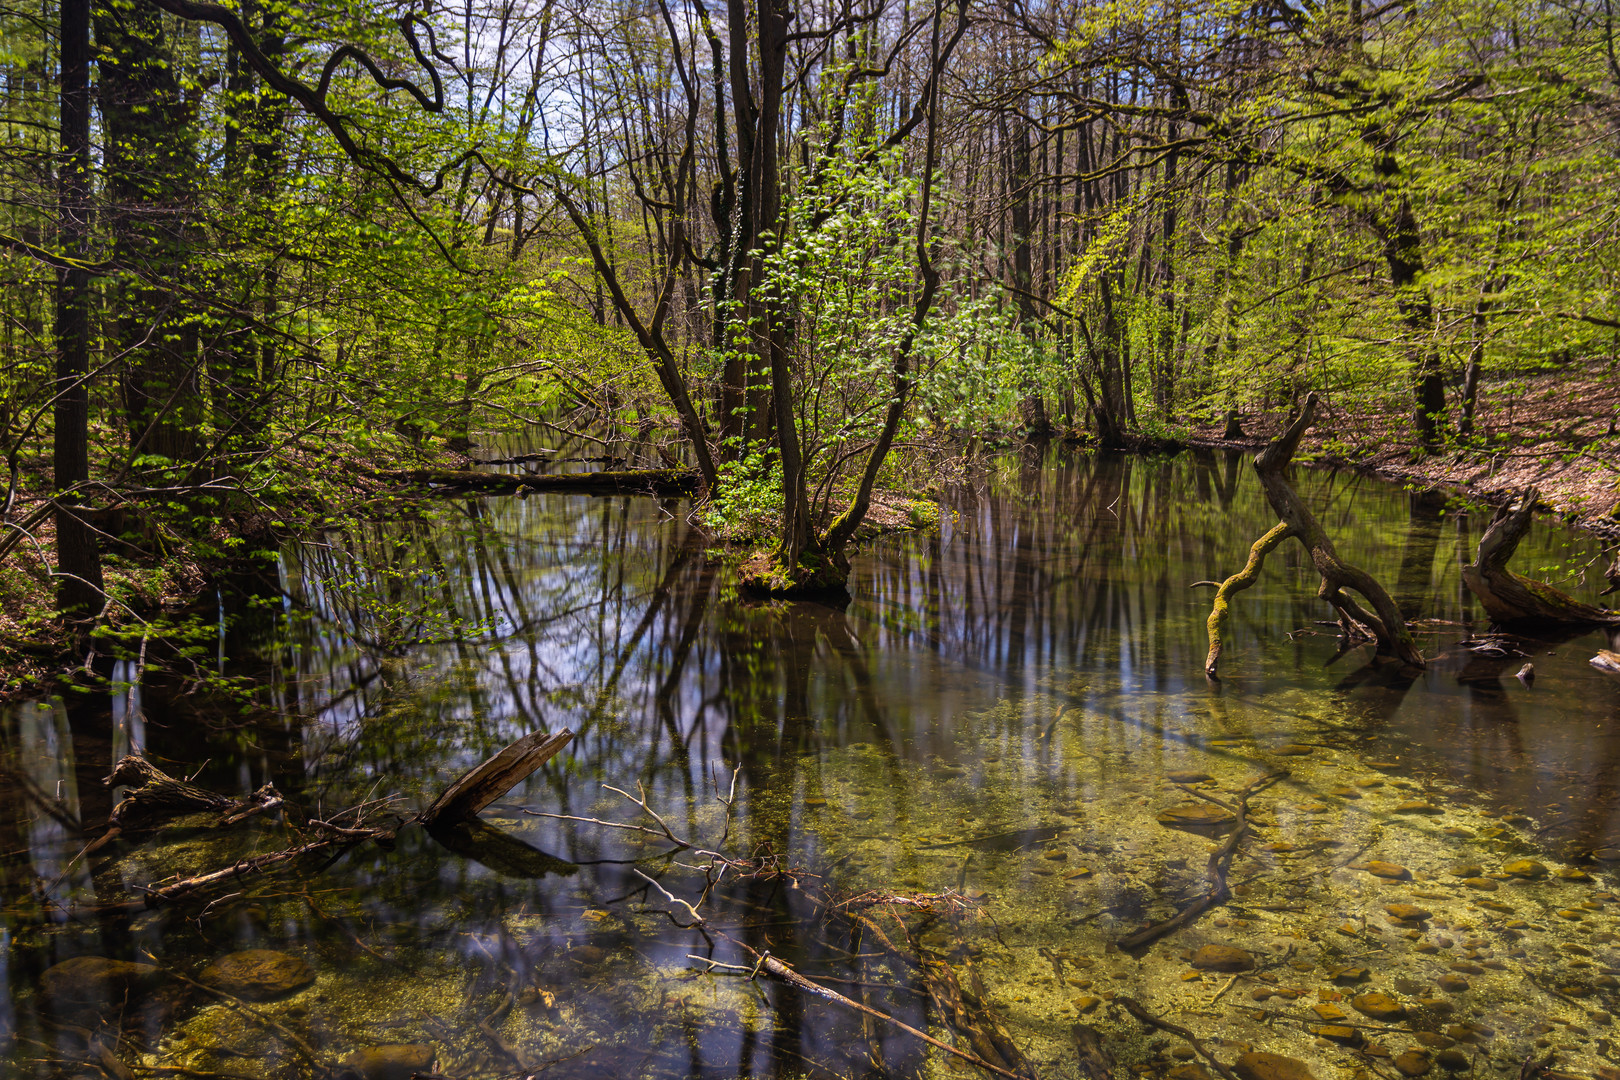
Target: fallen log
x: 485, y: 783
x: 665, y: 482
x: 1509, y: 598
x: 1384, y: 624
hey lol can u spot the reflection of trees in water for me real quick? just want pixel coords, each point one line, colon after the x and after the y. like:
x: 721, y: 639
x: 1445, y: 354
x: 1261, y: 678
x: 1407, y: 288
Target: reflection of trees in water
x: 1064, y: 577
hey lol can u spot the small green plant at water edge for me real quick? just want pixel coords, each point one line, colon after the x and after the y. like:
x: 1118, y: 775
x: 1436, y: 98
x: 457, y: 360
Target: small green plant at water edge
x: 747, y: 500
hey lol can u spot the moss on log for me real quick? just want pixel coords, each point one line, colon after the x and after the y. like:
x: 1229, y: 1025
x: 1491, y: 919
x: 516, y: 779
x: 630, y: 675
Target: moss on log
x: 1221, y: 607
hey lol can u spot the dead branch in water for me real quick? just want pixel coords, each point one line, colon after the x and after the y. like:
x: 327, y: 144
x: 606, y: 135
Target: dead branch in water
x: 1136, y: 1009
x: 485, y: 783
x: 1220, y: 859
x: 1384, y: 623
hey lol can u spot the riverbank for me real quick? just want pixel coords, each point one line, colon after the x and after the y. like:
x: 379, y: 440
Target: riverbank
x: 1561, y: 439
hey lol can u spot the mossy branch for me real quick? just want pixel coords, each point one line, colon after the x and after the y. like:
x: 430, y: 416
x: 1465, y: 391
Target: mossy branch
x: 1221, y: 607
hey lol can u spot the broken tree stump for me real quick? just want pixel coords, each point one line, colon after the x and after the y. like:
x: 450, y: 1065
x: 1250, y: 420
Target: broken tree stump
x: 1509, y: 598
x: 482, y: 785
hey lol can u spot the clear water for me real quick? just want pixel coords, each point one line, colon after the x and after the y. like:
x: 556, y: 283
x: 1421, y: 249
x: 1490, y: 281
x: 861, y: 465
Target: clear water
x: 991, y: 721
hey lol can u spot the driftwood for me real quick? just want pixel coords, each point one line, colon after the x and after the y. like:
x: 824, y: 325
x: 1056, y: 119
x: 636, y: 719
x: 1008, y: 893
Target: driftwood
x: 1216, y: 892
x: 157, y: 796
x: 669, y: 482
x: 1383, y: 624
x: 1508, y: 598
x: 160, y: 797
x: 482, y: 785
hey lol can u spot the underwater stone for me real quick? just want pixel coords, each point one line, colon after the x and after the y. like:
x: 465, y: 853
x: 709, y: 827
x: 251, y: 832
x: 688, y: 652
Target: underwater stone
x: 1452, y: 1060
x: 1379, y: 1006
x: 1257, y: 1065
x: 1525, y: 868
x: 399, y: 1061
x: 1570, y: 873
x: 1452, y: 984
x: 1409, y: 912
x: 1466, y: 870
x: 1195, y: 816
x: 1433, y: 1040
x: 1412, y: 1063
x: 1483, y: 884
x: 94, y: 980
x: 1188, y: 777
x: 1337, y: 1033
x: 1222, y: 958
x: 1417, y: 806
x: 258, y: 974
x: 1389, y: 871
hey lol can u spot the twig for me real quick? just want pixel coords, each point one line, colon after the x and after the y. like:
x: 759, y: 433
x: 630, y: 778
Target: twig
x: 1136, y: 1009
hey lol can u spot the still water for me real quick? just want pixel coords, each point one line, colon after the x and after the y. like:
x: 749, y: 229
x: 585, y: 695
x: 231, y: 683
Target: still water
x: 945, y: 802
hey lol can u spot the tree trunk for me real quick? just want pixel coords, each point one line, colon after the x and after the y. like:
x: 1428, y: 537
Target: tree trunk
x: 1384, y: 622
x: 78, y: 585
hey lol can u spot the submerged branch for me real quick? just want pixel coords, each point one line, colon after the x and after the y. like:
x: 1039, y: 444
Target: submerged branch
x: 1217, y: 891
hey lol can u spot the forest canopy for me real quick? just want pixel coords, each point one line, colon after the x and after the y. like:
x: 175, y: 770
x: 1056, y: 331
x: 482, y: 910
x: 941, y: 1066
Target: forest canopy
x: 252, y: 251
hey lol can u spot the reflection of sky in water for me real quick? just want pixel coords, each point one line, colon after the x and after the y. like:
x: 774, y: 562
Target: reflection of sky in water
x: 1037, y: 662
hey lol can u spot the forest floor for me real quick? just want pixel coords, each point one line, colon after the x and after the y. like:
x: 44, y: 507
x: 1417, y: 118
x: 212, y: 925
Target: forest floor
x: 1557, y: 433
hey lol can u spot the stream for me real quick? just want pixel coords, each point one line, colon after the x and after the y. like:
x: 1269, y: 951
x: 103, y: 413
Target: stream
x: 978, y: 753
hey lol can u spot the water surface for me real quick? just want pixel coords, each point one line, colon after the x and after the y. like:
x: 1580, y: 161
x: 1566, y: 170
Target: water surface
x: 990, y: 723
